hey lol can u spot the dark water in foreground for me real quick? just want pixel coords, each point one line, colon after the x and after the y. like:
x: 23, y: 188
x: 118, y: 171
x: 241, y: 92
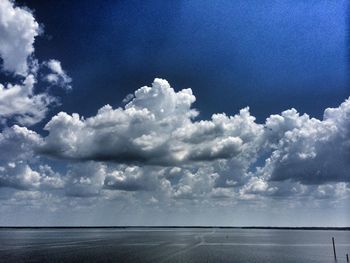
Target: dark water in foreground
x: 171, y: 245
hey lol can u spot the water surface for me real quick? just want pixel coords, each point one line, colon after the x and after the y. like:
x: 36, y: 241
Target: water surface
x: 172, y: 245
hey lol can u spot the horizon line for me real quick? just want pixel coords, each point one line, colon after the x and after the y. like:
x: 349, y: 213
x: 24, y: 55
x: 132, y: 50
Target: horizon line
x: 347, y: 228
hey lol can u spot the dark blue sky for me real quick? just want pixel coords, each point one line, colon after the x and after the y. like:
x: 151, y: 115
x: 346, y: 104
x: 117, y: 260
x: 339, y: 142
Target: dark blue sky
x: 269, y: 55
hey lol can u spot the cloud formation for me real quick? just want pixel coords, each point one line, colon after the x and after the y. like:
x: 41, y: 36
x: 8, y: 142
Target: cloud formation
x: 155, y: 152
x: 158, y: 127
x: 155, y: 128
x: 311, y: 151
x: 18, y: 29
x: 19, y: 100
x: 17, y: 158
x: 57, y: 76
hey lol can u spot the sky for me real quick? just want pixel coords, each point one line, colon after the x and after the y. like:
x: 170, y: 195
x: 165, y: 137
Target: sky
x: 230, y: 113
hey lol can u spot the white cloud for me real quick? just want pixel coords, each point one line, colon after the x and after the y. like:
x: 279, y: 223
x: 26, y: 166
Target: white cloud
x: 17, y: 144
x: 19, y: 176
x: 154, y: 152
x: 18, y: 29
x: 155, y: 127
x: 19, y: 101
x: 142, y: 132
x: 90, y: 179
x: 196, y: 185
x: 309, y: 150
x: 49, y: 179
x: 132, y: 178
x: 338, y: 190
x: 85, y: 180
x: 17, y: 158
x: 57, y: 75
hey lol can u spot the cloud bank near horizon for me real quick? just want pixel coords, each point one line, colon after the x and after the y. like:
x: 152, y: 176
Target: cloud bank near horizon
x: 158, y: 127
x: 156, y: 145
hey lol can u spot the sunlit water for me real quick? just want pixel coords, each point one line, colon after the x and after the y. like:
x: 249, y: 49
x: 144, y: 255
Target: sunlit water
x: 172, y: 245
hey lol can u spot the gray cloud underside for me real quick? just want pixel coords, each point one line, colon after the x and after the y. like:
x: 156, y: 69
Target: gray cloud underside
x: 156, y: 150
x: 158, y: 127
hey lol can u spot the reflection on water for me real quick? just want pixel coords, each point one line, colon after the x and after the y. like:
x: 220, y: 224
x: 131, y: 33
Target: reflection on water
x: 171, y: 245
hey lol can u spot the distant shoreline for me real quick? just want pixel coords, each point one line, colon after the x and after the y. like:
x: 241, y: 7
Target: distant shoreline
x: 178, y: 227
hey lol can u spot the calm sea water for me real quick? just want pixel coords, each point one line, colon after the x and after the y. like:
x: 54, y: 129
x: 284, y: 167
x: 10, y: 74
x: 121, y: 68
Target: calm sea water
x: 171, y: 245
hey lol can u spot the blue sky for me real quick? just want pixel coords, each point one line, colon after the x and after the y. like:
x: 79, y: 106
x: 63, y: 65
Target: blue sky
x: 162, y: 153
x: 269, y: 55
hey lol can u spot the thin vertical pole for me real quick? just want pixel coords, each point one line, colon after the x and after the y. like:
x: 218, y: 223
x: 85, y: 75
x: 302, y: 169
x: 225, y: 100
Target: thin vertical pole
x: 335, y: 254
x: 347, y: 258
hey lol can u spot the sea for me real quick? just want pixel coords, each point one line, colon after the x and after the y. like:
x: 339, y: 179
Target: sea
x: 170, y: 245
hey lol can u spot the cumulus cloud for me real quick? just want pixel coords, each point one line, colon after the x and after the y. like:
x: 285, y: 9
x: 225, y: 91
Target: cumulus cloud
x: 17, y: 146
x: 131, y: 178
x: 155, y: 128
x: 19, y: 100
x: 309, y: 150
x: 57, y: 75
x: 92, y: 178
x: 155, y: 150
x: 194, y: 185
x: 338, y: 190
x: 18, y: 175
x: 87, y: 179
x: 18, y: 29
